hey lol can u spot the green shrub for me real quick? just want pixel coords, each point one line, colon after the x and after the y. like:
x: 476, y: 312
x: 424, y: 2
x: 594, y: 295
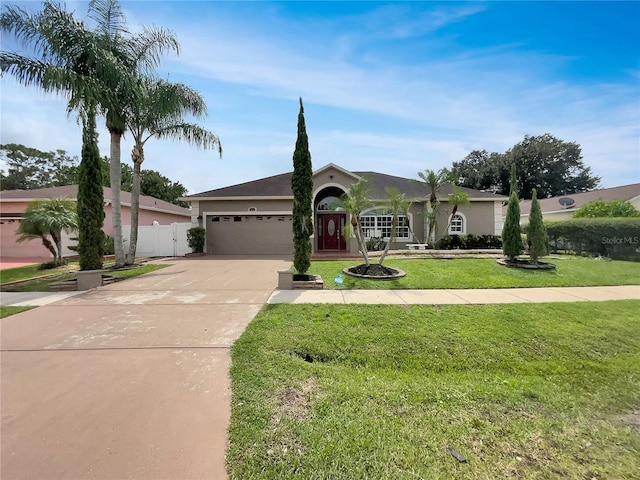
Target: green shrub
x: 468, y: 242
x: 108, y: 247
x: 616, y: 238
x: 195, y: 239
x: 376, y: 244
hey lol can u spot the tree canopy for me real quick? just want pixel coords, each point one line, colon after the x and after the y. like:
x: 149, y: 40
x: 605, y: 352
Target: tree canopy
x: 551, y: 166
x: 599, y: 209
x: 29, y: 168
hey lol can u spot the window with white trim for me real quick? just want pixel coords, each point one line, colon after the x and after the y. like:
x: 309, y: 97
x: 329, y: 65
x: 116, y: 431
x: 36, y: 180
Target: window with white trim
x: 377, y: 224
x: 456, y: 225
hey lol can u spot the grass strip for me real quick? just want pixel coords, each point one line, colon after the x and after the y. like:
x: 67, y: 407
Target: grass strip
x: 6, y: 311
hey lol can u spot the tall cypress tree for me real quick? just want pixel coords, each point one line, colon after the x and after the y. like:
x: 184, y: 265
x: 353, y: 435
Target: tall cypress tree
x: 511, y: 232
x: 302, y: 188
x: 537, y: 233
x: 90, y: 199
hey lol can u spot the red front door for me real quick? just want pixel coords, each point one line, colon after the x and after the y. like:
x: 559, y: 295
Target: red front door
x: 331, y: 232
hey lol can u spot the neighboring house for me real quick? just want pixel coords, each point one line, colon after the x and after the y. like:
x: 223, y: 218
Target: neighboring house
x: 255, y: 217
x: 562, y: 208
x: 14, y: 202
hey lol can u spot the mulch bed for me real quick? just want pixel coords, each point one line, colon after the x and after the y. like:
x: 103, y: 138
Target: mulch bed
x: 374, y: 271
x: 526, y: 264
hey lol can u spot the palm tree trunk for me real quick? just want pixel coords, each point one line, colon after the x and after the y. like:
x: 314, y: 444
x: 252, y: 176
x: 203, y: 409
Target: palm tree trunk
x: 57, y: 240
x: 392, y: 236
x: 138, y: 157
x: 49, y: 246
x: 115, y: 173
x: 361, y: 243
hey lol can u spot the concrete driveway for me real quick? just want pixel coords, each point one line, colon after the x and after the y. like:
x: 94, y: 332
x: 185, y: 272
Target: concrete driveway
x: 129, y: 381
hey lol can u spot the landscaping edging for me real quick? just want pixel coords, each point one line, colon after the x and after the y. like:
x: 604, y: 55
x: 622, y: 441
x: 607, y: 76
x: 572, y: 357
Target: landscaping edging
x: 400, y: 273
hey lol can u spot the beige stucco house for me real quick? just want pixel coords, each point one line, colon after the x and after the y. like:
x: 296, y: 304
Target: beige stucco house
x: 562, y: 208
x: 14, y: 202
x: 255, y: 217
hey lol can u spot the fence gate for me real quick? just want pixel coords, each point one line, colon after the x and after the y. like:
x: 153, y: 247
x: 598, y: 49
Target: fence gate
x: 160, y: 240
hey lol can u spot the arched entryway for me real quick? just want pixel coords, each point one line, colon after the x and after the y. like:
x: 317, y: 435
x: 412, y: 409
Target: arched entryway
x: 330, y: 220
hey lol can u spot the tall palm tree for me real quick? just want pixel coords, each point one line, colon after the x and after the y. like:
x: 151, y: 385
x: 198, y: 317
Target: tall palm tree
x: 48, y: 218
x: 159, y: 112
x: 93, y: 69
x: 140, y: 54
x: 433, y: 181
x: 356, y: 201
x: 397, y: 203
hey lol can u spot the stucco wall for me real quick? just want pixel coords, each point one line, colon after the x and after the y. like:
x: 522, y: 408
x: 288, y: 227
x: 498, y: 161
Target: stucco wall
x: 218, y: 206
x: 332, y: 176
x: 479, y: 216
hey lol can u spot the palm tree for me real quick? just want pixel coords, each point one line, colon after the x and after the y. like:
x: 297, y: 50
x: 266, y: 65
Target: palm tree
x: 94, y: 69
x: 140, y: 54
x: 433, y: 181
x: 48, y: 218
x: 457, y: 198
x: 397, y: 203
x: 356, y: 201
x: 159, y: 112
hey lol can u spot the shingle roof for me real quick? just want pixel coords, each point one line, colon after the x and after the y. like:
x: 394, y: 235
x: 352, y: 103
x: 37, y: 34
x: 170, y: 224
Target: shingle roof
x: 275, y: 186
x: 624, y: 192
x: 71, y: 191
x: 280, y: 186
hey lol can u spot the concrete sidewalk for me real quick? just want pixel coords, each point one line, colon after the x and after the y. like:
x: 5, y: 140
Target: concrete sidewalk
x: 453, y: 296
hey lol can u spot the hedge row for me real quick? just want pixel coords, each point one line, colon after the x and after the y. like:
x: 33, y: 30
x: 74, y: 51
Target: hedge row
x: 616, y: 238
x: 468, y: 242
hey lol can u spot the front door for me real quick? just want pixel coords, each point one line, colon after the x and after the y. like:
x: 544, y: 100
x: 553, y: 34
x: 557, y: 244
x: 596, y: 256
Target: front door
x: 331, y: 232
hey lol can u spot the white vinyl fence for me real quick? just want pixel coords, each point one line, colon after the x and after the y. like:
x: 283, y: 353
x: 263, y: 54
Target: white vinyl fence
x: 159, y: 240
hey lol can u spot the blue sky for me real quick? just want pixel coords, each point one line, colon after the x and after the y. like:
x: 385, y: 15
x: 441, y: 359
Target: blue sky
x: 393, y: 87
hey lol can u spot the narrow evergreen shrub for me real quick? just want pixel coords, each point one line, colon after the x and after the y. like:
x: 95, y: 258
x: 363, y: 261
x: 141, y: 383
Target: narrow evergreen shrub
x: 536, y: 233
x: 511, y: 234
x: 90, y: 199
x: 302, y: 188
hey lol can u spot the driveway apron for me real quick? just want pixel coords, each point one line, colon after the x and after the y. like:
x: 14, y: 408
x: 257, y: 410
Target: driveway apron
x: 130, y: 380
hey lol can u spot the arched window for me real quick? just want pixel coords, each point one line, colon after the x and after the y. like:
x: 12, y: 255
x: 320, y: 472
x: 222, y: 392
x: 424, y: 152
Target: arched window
x: 377, y: 224
x: 458, y: 225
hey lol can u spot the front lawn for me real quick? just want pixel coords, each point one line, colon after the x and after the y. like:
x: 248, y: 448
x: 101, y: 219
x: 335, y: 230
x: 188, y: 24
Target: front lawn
x: 429, y: 273
x: 386, y: 392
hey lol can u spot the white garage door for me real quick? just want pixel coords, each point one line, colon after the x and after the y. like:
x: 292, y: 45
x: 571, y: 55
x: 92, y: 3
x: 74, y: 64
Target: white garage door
x: 250, y: 235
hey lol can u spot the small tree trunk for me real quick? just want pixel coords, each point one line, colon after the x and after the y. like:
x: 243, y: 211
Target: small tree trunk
x: 49, y: 246
x: 115, y: 174
x: 138, y: 157
x: 392, y: 236
x: 57, y: 240
x: 362, y: 243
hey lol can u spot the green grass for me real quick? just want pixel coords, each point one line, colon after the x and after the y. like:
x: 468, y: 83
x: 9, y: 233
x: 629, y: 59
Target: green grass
x: 59, y: 275
x: 7, y: 311
x: 31, y: 271
x: 485, y: 273
x: 384, y: 392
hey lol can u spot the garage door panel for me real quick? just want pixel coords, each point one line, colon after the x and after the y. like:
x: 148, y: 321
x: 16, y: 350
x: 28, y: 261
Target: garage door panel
x: 249, y: 235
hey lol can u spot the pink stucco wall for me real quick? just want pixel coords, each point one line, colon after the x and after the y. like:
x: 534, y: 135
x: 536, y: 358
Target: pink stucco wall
x: 34, y: 249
